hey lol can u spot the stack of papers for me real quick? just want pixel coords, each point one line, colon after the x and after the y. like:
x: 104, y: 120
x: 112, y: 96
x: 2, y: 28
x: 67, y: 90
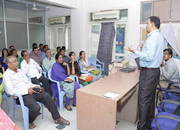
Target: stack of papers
x: 90, y: 69
x: 83, y: 76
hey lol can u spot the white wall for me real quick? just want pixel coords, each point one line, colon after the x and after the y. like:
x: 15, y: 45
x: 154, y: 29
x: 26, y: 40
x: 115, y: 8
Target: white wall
x: 81, y: 24
x: 55, y: 11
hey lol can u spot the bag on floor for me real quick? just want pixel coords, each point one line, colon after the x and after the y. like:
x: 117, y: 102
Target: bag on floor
x: 169, y: 106
x: 172, y: 94
x: 166, y: 121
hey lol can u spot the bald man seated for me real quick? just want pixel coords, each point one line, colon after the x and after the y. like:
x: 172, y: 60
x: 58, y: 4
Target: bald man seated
x: 17, y: 83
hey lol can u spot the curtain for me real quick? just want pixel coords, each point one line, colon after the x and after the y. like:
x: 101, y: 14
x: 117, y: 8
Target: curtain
x: 105, y: 47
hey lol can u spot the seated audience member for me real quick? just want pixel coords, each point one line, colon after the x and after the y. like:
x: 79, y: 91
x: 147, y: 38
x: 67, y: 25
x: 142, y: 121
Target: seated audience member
x: 64, y: 48
x: 36, y: 56
x: 14, y: 53
x: 45, y: 47
x: 16, y: 82
x: 84, y: 65
x: 58, y: 49
x: 48, y: 61
x: 11, y: 47
x: 169, y: 70
x: 1, y: 88
x: 59, y: 73
x: 3, y: 58
x: 34, y: 71
x: 73, y: 64
x: 65, y: 58
x: 41, y: 52
x: 34, y: 45
x: 41, y: 47
x: 75, y: 70
x: 83, y: 62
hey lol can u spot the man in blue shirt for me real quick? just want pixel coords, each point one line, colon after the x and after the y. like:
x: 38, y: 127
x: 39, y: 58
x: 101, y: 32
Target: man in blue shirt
x: 150, y: 59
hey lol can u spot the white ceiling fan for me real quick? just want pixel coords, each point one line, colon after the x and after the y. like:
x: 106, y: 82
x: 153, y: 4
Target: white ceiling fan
x: 36, y: 8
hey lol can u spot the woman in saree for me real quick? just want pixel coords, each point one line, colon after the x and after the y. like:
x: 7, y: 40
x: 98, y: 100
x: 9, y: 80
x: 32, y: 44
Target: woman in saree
x: 60, y: 72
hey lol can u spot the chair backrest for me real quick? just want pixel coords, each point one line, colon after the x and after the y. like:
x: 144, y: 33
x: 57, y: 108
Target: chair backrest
x: 49, y: 77
x: 96, y: 63
x: 92, y: 61
x: 177, y: 61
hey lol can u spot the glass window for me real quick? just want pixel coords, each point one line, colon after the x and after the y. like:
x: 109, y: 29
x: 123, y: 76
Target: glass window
x: 2, y: 37
x: 36, y: 17
x: 146, y: 11
x: 36, y: 33
x: 1, y: 10
x: 36, y: 25
x: 124, y: 13
x: 17, y: 35
x: 15, y: 12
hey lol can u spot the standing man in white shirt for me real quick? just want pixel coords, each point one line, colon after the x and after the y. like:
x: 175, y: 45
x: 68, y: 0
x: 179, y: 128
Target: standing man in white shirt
x: 17, y: 83
x: 34, y: 71
x: 150, y: 59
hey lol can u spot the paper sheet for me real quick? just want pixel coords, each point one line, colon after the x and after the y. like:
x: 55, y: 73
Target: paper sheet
x: 111, y: 95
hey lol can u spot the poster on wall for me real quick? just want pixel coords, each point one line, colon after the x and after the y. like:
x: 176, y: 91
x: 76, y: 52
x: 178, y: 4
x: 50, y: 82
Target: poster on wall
x: 120, y: 38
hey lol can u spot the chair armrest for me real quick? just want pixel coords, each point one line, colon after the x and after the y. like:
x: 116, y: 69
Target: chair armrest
x: 101, y: 64
x: 98, y: 67
x: 58, y: 84
x: 54, y: 81
x: 20, y: 99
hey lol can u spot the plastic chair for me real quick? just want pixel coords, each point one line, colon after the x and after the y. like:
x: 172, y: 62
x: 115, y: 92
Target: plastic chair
x: 96, y: 63
x: 60, y: 92
x: 25, y: 110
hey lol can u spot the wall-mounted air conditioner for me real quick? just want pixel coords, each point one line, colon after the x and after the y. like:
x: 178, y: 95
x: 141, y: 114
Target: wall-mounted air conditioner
x: 59, y: 20
x: 105, y: 15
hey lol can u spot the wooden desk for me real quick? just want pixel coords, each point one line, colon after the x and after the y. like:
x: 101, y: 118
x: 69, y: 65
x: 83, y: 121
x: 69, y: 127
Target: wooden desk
x: 94, y: 111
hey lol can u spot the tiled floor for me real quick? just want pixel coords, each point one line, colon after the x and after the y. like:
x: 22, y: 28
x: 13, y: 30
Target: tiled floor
x: 48, y: 124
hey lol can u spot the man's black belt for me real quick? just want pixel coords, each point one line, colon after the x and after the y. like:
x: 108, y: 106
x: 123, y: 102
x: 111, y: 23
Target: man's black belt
x: 145, y: 68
